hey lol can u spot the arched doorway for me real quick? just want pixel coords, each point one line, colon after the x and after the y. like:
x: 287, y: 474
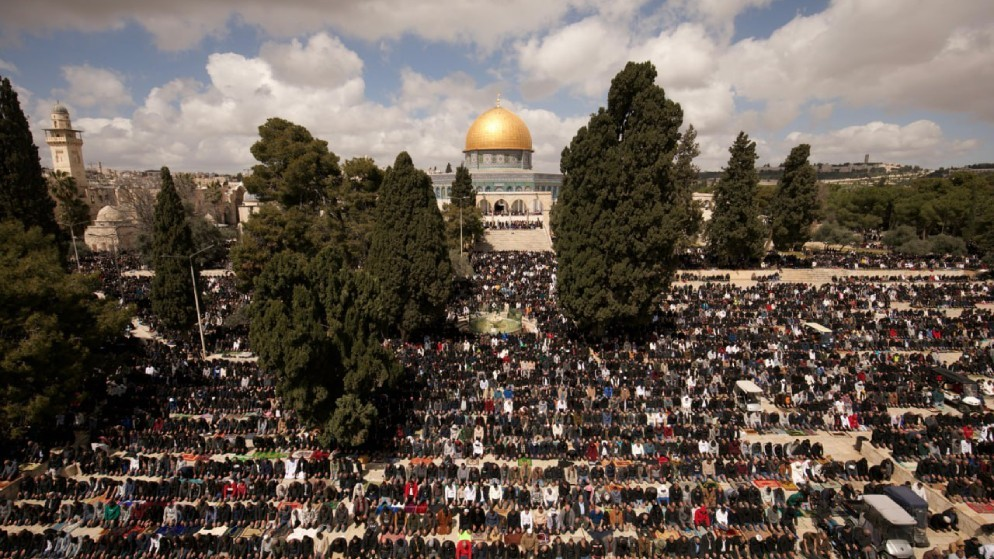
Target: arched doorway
x: 536, y: 206
x: 518, y: 208
x: 485, y: 207
x: 500, y: 207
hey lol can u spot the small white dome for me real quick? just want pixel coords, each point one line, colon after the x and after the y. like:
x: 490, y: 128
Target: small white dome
x: 116, y: 214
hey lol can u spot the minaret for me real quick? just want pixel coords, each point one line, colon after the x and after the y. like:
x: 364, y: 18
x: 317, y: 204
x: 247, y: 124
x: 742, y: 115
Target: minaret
x: 66, y: 145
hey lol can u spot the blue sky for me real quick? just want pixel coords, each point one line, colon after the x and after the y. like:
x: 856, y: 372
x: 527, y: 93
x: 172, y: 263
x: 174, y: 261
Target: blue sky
x: 187, y: 85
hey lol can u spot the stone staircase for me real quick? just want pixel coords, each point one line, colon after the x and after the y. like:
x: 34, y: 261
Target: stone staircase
x: 813, y: 276
x: 516, y: 240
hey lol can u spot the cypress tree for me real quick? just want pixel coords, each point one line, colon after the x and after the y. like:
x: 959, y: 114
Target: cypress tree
x: 620, y: 215
x: 408, y: 254
x: 735, y: 234
x: 685, y: 177
x: 23, y: 189
x: 172, y: 244
x: 795, y: 204
x: 463, y: 193
x: 463, y: 220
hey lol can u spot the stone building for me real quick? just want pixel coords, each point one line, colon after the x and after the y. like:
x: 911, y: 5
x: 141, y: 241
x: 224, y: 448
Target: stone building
x: 114, y: 229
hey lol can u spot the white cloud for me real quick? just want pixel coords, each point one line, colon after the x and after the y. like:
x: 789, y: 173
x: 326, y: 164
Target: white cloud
x: 900, y: 57
x: 325, y: 61
x: 582, y: 56
x: 7, y: 66
x: 182, y: 24
x: 91, y: 87
x: 924, y: 55
x: 922, y: 140
x: 718, y: 15
x: 189, y: 125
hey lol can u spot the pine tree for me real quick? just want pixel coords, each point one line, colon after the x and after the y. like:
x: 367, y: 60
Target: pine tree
x: 620, y: 215
x: 408, y: 254
x: 795, y: 204
x: 448, y: 167
x: 735, y: 234
x: 23, y: 190
x: 172, y: 244
x: 55, y: 332
x: 295, y: 169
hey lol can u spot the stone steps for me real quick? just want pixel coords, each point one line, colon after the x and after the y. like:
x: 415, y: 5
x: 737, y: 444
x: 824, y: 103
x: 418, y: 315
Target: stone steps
x: 516, y: 240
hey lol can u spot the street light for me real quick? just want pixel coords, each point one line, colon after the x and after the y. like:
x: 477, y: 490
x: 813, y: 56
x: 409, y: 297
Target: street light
x: 72, y: 233
x: 460, y: 220
x: 196, y: 298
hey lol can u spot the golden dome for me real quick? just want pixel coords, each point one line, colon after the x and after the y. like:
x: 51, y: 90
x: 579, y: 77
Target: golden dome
x: 498, y: 128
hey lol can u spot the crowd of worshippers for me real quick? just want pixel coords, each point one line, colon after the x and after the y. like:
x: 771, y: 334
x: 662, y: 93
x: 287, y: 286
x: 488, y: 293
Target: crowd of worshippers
x: 539, y: 444
x: 512, y: 224
x: 954, y: 452
x: 698, y: 258
x: 691, y: 276
x: 929, y: 292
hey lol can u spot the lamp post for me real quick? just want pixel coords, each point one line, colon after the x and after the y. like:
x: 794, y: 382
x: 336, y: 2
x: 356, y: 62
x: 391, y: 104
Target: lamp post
x: 196, y: 297
x: 460, y: 221
x: 72, y: 233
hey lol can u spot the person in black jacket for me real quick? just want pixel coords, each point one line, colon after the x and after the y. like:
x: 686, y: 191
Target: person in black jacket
x: 355, y: 549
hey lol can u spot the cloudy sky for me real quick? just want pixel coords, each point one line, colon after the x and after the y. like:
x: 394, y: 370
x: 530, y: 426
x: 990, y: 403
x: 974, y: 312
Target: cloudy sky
x: 186, y: 83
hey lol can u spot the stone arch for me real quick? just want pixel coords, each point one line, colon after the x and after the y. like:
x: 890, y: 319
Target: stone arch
x: 518, y: 207
x: 485, y: 207
x: 501, y: 207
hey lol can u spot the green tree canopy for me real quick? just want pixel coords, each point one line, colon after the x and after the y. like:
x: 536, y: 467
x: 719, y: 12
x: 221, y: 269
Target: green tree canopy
x: 361, y: 180
x: 795, y: 204
x: 408, y: 254
x: 735, y: 234
x: 623, y: 209
x: 53, y: 330
x: 463, y: 194
x: 23, y: 190
x: 832, y: 233
x: 315, y: 324
x: 361, y: 174
x: 295, y: 169
x: 172, y: 244
x: 274, y: 229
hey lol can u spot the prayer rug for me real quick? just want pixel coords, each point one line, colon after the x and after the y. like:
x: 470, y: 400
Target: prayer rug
x: 982, y: 508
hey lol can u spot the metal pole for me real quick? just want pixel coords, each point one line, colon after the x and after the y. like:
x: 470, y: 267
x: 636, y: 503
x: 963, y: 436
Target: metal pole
x: 196, y: 302
x: 72, y: 233
x: 460, y: 230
